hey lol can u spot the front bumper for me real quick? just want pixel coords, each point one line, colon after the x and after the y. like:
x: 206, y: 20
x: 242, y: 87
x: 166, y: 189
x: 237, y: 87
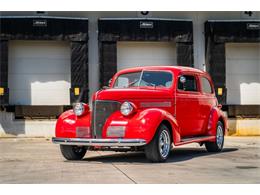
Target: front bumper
x: 99, y: 142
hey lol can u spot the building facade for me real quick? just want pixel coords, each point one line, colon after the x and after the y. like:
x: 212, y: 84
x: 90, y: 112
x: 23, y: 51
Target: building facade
x: 49, y: 60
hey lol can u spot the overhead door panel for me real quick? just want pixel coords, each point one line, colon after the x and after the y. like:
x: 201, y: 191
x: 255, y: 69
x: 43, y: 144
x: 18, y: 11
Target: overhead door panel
x: 243, y: 73
x: 39, y: 73
x: 131, y: 54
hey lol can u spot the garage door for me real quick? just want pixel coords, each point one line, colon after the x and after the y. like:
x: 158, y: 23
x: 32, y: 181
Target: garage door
x: 131, y: 54
x: 39, y: 73
x: 243, y: 73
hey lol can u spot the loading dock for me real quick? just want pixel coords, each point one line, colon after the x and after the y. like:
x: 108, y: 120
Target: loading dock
x: 232, y: 59
x: 169, y: 40
x: 44, y: 63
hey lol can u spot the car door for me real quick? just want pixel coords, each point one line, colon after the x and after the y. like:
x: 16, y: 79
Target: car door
x: 187, y: 104
x: 207, y: 100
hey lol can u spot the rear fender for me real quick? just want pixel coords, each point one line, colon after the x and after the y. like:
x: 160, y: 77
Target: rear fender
x: 215, y: 115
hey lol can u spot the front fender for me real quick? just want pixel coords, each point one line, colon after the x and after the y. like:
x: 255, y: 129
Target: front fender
x: 68, y: 123
x: 143, y: 124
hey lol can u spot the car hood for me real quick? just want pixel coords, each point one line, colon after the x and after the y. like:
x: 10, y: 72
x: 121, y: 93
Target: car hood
x: 133, y: 93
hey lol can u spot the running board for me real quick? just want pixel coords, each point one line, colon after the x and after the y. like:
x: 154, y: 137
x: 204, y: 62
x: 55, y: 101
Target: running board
x: 195, y: 139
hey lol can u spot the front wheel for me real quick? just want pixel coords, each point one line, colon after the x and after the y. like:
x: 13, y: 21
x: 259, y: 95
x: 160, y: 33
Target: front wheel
x: 73, y: 152
x: 217, y: 146
x: 158, y: 149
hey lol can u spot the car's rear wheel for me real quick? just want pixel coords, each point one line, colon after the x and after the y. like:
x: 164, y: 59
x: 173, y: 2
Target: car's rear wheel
x: 217, y: 146
x: 73, y: 152
x: 159, y: 148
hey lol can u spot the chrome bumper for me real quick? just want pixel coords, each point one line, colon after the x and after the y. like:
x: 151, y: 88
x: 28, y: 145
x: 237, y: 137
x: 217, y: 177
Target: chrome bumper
x: 99, y: 142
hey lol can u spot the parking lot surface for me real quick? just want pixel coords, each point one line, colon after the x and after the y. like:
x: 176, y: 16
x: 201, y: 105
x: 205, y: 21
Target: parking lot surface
x: 37, y: 160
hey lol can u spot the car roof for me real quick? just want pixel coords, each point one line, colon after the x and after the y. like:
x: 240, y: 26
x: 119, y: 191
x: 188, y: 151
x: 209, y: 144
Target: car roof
x: 173, y: 68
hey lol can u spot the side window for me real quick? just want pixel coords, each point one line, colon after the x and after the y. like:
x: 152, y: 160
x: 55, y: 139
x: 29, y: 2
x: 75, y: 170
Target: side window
x: 205, y: 84
x: 187, y: 83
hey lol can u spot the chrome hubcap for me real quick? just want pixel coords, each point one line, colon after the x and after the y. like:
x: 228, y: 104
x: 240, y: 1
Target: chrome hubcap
x: 164, y: 143
x: 220, y: 136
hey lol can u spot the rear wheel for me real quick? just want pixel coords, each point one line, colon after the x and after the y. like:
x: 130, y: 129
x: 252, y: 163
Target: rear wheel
x: 73, y: 152
x: 159, y: 148
x: 217, y: 146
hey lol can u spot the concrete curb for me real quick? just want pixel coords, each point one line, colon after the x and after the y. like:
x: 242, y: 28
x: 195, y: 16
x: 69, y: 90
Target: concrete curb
x: 244, y: 127
x: 9, y: 127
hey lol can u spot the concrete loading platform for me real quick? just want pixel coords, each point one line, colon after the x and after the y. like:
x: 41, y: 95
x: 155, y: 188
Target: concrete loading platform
x: 9, y: 126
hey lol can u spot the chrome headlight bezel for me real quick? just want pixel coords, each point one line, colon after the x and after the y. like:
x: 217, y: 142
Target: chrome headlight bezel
x: 126, y: 108
x: 79, y: 109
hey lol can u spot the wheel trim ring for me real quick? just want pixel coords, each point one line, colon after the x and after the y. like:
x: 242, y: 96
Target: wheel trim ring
x: 164, y: 143
x: 220, y: 136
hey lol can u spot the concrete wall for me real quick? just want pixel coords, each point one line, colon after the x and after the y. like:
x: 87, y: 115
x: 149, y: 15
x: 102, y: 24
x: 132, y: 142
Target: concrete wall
x: 25, y: 128
x: 46, y: 128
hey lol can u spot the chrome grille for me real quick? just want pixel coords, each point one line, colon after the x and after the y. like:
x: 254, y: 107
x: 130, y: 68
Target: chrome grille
x: 101, y: 111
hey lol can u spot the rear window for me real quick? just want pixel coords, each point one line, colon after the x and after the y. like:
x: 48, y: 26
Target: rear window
x: 205, y: 84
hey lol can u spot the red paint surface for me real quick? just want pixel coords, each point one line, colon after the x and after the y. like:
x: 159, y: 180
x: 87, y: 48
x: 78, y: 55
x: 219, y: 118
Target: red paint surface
x: 195, y: 113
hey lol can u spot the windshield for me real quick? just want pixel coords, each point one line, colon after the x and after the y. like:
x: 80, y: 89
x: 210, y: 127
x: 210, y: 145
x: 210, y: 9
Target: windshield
x: 145, y: 78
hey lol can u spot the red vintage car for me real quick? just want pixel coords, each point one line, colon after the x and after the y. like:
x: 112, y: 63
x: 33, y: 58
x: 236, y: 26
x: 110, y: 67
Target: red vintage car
x: 145, y: 108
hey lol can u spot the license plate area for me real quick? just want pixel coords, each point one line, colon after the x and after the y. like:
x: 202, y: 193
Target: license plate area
x: 83, y: 132
x: 116, y: 131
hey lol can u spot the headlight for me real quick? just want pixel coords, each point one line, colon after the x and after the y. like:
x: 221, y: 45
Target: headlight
x: 79, y: 109
x: 126, y: 108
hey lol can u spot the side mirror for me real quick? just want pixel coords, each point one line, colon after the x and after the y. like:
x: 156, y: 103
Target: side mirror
x: 109, y: 82
x: 105, y: 87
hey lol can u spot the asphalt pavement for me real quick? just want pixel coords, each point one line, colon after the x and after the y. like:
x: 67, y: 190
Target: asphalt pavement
x: 37, y: 160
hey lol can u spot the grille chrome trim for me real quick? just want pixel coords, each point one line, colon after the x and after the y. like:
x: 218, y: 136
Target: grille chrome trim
x: 102, y: 109
x: 165, y: 104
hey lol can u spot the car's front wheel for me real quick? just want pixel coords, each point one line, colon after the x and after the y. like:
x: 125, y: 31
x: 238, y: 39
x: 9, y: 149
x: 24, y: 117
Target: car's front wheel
x: 73, y: 152
x: 217, y: 146
x: 159, y: 148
